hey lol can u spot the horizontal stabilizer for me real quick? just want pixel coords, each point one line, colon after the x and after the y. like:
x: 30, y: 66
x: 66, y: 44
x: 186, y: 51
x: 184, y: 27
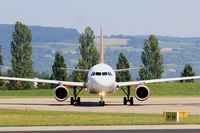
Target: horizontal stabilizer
x: 128, y: 69
x: 76, y: 69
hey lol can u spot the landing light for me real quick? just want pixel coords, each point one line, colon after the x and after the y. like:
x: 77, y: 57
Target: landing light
x: 102, y: 94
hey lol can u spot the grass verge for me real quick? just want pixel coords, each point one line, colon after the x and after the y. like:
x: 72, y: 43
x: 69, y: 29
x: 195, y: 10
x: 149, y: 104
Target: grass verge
x: 53, y: 118
x: 157, y: 90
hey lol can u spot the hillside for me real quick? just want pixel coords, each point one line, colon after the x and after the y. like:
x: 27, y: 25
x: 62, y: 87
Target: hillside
x: 42, y: 34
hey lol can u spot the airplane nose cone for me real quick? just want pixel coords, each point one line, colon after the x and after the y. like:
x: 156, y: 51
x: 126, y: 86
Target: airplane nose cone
x: 103, y: 83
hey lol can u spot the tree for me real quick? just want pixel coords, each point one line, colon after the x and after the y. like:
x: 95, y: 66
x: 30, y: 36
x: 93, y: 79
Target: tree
x: 21, y: 51
x: 43, y: 75
x: 59, y: 68
x: 122, y: 63
x: 79, y: 76
x: 88, y: 51
x: 187, y: 72
x: 89, y: 55
x: 152, y: 59
x: 1, y: 63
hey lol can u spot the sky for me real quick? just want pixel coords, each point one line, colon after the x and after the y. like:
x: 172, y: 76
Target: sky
x: 131, y: 17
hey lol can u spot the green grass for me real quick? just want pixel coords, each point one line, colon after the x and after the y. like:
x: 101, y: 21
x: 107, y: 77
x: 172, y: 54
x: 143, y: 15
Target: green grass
x: 157, y: 90
x: 175, y: 89
x: 26, y: 93
x: 128, y: 49
x: 175, y: 44
x: 55, y: 118
x: 112, y: 41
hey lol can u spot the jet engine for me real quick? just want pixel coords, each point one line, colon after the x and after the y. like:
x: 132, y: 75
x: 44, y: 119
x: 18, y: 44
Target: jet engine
x: 61, y: 93
x: 142, y: 92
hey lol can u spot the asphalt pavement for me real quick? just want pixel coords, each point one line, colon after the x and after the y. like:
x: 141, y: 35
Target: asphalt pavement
x: 116, y: 131
x: 150, y: 106
x: 104, y: 129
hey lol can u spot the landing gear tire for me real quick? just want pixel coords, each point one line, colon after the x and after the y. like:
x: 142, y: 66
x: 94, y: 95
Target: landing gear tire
x: 131, y: 100
x: 125, y: 101
x: 78, y: 102
x: 101, y: 103
x: 72, y: 100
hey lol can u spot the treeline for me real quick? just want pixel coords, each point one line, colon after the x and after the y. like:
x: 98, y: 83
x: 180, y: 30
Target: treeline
x: 152, y: 58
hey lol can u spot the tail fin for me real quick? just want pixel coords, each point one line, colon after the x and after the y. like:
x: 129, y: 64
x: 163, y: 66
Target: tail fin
x: 101, y: 47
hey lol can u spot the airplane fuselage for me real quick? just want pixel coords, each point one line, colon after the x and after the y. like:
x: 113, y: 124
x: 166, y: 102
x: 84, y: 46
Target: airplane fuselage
x: 101, y: 79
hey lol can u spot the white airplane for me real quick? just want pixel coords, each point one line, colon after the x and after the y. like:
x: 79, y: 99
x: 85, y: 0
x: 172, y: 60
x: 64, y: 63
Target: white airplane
x: 101, y: 80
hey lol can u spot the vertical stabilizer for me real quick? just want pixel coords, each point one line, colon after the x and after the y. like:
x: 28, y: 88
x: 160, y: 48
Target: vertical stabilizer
x: 101, y: 47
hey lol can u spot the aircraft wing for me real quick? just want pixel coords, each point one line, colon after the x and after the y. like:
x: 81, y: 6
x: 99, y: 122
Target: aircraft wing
x: 121, y: 84
x: 71, y: 84
x: 76, y: 69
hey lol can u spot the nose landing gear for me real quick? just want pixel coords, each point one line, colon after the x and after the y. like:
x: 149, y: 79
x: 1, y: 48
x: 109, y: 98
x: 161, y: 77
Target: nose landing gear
x: 102, y: 102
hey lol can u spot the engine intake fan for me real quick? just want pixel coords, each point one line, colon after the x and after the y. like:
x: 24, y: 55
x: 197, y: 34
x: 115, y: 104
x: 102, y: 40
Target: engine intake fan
x: 142, y: 92
x: 61, y: 93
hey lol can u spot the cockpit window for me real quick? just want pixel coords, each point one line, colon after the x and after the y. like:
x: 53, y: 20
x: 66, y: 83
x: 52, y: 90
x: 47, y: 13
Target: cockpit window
x: 109, y: 73
x: 98, y: 73
x: 93, y: 73
x: 101, y: 73
x: 104, y: 73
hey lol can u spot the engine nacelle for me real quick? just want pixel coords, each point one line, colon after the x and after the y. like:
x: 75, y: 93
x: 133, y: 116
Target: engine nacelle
x: 61, y: 93
x: 142, y: 92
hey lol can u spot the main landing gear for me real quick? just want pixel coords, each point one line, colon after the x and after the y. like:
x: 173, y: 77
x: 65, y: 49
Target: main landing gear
x: 75, y: 100
x: 127, y: 98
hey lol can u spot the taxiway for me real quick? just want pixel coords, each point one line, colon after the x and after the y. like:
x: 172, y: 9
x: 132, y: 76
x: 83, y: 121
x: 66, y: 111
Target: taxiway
x: 105, y: 129
x: 151, y: 106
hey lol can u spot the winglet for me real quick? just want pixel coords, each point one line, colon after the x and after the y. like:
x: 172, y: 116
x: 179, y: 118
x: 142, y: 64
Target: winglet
x: 101, y: 47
